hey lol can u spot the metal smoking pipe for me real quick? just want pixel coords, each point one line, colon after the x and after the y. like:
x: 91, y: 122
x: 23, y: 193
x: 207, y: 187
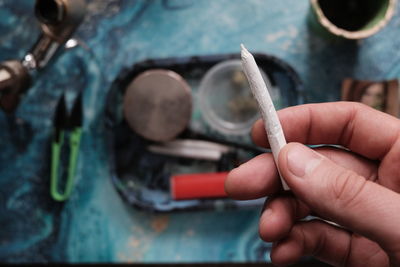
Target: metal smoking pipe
x: 58, y: 21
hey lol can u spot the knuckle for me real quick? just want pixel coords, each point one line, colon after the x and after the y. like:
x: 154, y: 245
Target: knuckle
x: 347, y: 188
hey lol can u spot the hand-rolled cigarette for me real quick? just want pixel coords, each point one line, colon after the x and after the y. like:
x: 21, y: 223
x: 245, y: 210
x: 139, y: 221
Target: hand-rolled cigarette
x: 270, y: 118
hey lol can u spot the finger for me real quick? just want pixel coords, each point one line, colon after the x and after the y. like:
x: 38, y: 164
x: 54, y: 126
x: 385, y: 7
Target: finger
x: 341, y: 195
x: 254, y: 179
x: 348, y: 160
x: 329, y: 244
x: 258, y: 133
x: 358, y: 127
x: 259, y: 177
x: 279, y: 215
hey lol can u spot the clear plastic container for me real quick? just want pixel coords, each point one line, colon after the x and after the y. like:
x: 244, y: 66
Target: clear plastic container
x: 226, y: 101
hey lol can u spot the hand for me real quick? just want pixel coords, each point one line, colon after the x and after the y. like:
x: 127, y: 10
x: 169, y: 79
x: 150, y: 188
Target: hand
x: 358, y: 189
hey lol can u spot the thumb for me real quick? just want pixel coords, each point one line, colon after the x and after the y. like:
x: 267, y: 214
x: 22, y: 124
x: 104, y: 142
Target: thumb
x: 341, y: 195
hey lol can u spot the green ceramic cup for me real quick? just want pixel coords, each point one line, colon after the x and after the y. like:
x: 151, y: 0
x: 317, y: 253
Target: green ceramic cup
x: 350, y: 19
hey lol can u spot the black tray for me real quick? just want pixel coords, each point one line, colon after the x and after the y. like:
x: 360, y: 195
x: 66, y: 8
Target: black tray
x: 141, y: 177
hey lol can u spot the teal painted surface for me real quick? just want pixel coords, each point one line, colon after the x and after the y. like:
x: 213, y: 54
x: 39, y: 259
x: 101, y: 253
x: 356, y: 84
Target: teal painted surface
x: 95, y: 225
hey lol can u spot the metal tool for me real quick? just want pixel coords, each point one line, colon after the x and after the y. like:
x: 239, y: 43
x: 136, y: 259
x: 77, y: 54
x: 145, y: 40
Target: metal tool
x: 14, y: 79
x: 66, y: 126
x: 58, y: 20
x: 193, y: 149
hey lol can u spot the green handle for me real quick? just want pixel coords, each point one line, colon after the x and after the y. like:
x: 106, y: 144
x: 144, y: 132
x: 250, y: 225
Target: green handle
x: 74, y: 139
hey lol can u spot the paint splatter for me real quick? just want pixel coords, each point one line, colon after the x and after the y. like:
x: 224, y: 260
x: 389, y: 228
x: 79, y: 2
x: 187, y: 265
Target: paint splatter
x: 290, y: 32
x: 134, y: 242
x: 160, y: 223
x: 190, y: 232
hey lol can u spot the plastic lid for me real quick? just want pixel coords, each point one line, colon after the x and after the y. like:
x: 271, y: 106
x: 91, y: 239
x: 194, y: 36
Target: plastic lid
x: 226, y: 101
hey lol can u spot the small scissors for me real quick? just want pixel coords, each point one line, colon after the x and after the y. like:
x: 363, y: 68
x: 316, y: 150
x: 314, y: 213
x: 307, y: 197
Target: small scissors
x: 65, y: 126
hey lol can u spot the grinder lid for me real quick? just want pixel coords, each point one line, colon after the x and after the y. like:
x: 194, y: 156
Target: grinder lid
x: 158, y: 104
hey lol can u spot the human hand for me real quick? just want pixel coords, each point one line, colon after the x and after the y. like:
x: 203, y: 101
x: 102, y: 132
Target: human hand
x: 359, y: 190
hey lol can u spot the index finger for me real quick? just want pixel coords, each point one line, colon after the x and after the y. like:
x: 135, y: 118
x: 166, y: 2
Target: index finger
x: 362, y: 129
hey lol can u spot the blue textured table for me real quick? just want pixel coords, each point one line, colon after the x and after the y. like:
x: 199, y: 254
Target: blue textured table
x: 95, y: 225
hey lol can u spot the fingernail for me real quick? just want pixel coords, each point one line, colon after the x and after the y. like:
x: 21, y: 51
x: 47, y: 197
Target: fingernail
x: 302, y: 160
